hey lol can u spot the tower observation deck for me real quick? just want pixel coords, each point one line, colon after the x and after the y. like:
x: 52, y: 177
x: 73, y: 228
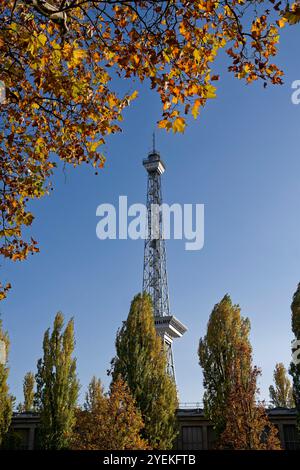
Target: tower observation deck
x: 155, y: 279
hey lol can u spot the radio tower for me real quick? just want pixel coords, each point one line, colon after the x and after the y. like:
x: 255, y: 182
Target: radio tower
x: 155, y: 281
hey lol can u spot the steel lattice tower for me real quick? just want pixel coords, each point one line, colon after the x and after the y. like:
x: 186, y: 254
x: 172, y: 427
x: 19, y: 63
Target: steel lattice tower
x: 155, y: 280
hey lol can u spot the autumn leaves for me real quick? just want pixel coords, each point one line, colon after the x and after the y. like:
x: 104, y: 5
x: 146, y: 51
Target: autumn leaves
x: 62, y: 103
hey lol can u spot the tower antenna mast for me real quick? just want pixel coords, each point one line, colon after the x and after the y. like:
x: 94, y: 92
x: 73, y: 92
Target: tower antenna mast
x: 155, y: 279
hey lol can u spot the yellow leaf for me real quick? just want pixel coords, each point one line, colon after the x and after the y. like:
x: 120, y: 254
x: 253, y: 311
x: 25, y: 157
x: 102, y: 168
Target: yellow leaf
x: 179, y: 125
x: 42, y: 38
x: 109, y: 55
x: 195, y: 109
x: 166, y: 57
x: 92, y: 146
x: 112, y: 100
x: 78, y: 54
x: 197, y: 55
x: 133, y: 95
x: 210, y: 91
x: 14, y: 27
x: 281, y: 22
x: 165, y: 124
x: 94, y: 116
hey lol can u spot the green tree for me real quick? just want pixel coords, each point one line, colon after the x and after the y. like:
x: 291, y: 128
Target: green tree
x: 108, y: 422
x: 219, y: 353
x: 28, y: 392
x: 281, y: 394
x: 230, y: 382
x: 6, y: 400
x: 295, y: 364
x: 57, y: 385
x: 94, y: 397
x: 141, y: 361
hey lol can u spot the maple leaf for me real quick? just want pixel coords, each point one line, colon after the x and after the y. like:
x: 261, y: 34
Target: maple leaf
x: 179, y: 125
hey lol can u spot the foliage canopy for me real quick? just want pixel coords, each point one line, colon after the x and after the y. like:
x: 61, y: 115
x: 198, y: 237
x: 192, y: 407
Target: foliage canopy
x: 59, y: 61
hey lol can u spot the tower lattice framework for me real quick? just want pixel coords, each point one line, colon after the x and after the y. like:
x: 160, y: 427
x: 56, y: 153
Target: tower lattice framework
x: 155, y: 279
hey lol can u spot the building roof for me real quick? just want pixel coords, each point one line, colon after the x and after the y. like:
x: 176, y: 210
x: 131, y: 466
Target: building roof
x: 186, y: 412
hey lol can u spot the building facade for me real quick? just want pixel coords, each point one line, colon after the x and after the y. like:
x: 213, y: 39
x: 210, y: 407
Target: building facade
x: 195, y: 431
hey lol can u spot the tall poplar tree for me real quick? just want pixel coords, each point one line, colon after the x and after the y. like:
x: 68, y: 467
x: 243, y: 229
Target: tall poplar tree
x: 6, y: 400
x: 57, y: 385
x: 94, y: 397
x: 281, y: 393
x: 295, y: 364
x: 141, y: 362
x: 28, y: 392
x: 227, y: 334
x: 230, y: 382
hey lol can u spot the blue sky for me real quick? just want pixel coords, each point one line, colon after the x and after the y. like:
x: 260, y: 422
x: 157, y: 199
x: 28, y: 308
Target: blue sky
x: 241, y: 159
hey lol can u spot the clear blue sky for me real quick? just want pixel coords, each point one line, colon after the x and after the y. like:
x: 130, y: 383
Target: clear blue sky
x: 241, y: 159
